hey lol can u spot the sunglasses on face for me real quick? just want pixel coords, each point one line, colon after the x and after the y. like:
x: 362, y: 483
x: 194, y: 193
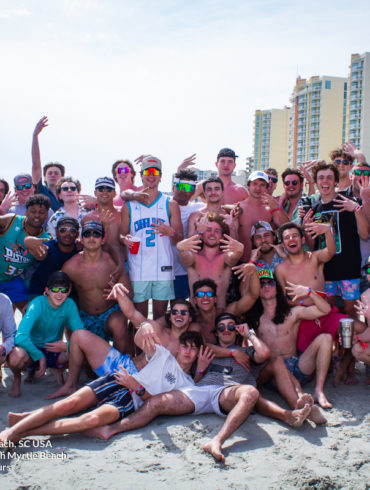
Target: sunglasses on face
x: 202, y: 294
x: 181, y: 186
x: 56, y: 289
x: 104, y: 188
x: 338, y: 161
x: 64, y: 229
x: 152, y: 170
x: 230, y: 327
x: 362, y: 172
x: 95, y: 234
x: 174, y: 311
x: 273, y: 179
x: 69, y: 188
x: 270, y: 282
x: 290, y: 182
x: 21, y: 186
x: 123, y: 170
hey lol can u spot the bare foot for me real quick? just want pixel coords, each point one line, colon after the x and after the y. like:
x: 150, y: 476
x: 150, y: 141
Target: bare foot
x: 214, y: 448
x: 304, y: 399
x: 321, y: 399
x: 15, y: 390
x: 30, y: 378
x: 6, y: 438
x: 316, y: 416
x: 13, y: 417
x: 62, y: 391
x: 295, y: 418
x: 104, y: 432
x: 351, y: 380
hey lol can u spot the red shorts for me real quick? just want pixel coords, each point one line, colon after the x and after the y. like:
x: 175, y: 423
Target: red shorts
x: 309, y: 329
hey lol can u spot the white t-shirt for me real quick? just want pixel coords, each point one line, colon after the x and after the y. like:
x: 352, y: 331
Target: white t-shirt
x: 161, y: 374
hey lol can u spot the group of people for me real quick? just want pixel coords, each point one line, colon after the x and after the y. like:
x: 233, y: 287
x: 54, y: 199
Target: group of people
x: 245, y: 287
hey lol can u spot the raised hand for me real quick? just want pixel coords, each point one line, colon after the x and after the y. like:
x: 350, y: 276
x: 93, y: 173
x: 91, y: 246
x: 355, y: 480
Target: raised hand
x: 296, y: 291
x: 316, y: 229
x: 192, y: 244
x: 41, y: 125
x: 231, y: 245
x: 205, y: 357
x: 344, y: 204
x: 187, y: 162
x: 244, y: 271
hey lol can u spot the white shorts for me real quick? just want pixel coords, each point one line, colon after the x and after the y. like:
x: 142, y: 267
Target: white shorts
x: 205, y: 398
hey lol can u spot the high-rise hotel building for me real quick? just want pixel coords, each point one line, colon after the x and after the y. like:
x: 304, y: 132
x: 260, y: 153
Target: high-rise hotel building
x: 357, y: 113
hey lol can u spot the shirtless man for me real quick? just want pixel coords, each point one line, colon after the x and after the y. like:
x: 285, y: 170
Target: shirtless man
x: 215, y: 258
x: 278, y: 323
x: 258, y: 206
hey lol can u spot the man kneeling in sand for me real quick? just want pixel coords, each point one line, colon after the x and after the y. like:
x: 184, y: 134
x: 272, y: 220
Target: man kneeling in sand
x: 163, y: 373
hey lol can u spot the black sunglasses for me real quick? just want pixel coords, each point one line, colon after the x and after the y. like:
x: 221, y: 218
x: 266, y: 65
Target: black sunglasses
x: 94, y: 233
x: 269, y: 282
x: 69, y: 188
x: 104, y: 188
x: 273, y: 179
x: 65, y: 229
x: 174, y: 311
x: 290, y: 182
x: 230, y: 327
x: 338, y: 161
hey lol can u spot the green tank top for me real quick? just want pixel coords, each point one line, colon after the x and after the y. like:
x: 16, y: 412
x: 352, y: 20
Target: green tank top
x: 14, y: 256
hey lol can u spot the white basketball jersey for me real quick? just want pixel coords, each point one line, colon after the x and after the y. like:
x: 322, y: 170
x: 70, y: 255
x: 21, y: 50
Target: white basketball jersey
x: 154, y: 261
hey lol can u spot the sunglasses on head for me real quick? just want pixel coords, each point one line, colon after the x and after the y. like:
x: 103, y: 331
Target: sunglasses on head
x: 104, y: 188
x: 290, y: 182
x: 181, y: 186
x: 69, y: 188
x: 230, y: 327
x: 57, y: 289
x: 20, y: 186
x: 94, y: 233
x: 152, y: 170
x: 174, y: 311
x: 65, y: 229
x: 202, y: 294
x: 273, y: 179
x: 269, y: 282
x: 338, y: 161
x: 362, y: 172
x: 123, y: 170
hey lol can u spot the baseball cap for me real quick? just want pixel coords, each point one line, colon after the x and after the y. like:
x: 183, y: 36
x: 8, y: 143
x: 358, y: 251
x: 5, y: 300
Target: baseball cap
x: 105, y: 181
x: 226, y: 152
x: 150, y: 162
x: 22, y: 179
x: 261, y: 226
x: 68, y: 220
x: 265, y: 273
x: 258, y: 174
x: 58, y: 278
x: 93, y: 225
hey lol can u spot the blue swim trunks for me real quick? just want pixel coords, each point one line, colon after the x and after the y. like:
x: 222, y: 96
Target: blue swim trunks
x: 16, y: 290
x: 292, y: 365
x: 115, y: 359
x: 96, y: 323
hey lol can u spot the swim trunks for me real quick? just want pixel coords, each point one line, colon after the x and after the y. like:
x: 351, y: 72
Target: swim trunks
x: 292, y: 365
x: 113, y: 361
x: 348, y: 289
x: 52, y: 359
x: 96, y: 323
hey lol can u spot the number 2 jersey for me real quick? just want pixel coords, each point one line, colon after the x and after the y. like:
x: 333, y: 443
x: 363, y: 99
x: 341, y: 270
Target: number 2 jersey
x: 154, y: 261
x: 14, y: 256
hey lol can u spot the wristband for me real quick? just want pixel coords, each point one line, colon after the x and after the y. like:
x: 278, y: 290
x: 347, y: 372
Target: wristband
x: 272, y: 211
x: 309, y: 291
x: 140, y: 390
x: 197, y: 371
x: 3, y: 351
x: 252, y: 262
x: 231, y: 352
x: 357, y: 208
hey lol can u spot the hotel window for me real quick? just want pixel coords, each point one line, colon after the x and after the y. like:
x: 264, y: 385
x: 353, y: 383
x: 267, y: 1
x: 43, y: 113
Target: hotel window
x: 328, y: 84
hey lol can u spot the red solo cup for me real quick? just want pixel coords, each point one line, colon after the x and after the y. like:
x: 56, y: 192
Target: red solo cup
x: 136, y: 244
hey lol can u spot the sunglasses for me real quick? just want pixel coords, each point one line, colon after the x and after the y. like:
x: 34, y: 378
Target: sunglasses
x: 104, y: 188
x: 202, y: 294
x: 362, y: 172
x: 56, y: 289
x: 270, y: 282
x: 21, y: 186
x: 338, y: 161
x: 273, y: 179
x: 123, y: 170
x: 69, y: 188
x: 151, y: 170
x: 174, y: 311
x: 290, y: 182
x: 95, y: 234
x: 64, y: 229
x: 230, y: 327
x: 181, y: 186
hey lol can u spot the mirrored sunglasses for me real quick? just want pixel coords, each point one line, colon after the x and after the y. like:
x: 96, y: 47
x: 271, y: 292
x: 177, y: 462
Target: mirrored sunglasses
x: 104, y: 188
x: 123, y: 170
x: 174, y: 311
x: 181, y: 186
x: 338, y: 161
x: 65, y: 229
x: 230, y: 327
x: 362, y: 172
x: 151, y: 170
x: 290, y: 182
x: 69, y: 188
x: 202, y: 294
x: 89, y: 233
x: 56, y: 289
x: 21, y: 186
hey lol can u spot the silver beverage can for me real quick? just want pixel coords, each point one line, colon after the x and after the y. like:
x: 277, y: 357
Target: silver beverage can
x: 346, y: 331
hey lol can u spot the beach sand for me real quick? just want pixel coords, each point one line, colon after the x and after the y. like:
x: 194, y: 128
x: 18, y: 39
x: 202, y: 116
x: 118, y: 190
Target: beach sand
x: 263, y: 453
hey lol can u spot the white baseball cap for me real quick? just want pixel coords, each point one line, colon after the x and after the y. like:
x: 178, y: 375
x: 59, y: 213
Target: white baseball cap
x: 258, y: 174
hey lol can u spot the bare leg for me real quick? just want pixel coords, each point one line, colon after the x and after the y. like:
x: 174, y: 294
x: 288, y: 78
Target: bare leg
x: 317, y: 357
x: 277, y: 369
x: 117, y: 327
x: 294, y: 418
x: 16, y: 361
x: 159, y: 308
x: 171, y: 403
x: 83, y: 343
x: 238, y: 401
x: 142, y: 308
x: 82, y: 399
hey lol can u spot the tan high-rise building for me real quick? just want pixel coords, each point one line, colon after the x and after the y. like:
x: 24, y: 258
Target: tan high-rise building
x: 316, y: 118
x: 357, y: 114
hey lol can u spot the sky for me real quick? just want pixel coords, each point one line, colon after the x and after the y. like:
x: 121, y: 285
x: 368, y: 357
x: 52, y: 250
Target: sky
x: 121, y: 78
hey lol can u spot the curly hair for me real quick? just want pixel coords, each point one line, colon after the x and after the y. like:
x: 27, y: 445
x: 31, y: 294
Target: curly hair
x: 39, y: 199
x: 187, y: 174
x: 126, y: 162
x: 322, y: 165
x: 210, y: 283
x: 63, y: 180
x: 292, y: 171
x: 340, y: 153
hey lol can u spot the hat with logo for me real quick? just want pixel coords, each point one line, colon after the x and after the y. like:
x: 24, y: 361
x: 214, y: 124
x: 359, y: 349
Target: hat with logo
x: 94, y: 226
x: 151, y: 162
x: 105, y: 181
x: 258, y: 174
x: 265, y: 273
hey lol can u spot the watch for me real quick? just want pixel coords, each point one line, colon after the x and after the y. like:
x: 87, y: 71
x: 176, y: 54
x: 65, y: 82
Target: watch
x: 140, y: 391
x: 251, y: 332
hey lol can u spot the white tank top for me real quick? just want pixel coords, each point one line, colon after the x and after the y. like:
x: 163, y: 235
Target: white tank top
x: 154, y: 261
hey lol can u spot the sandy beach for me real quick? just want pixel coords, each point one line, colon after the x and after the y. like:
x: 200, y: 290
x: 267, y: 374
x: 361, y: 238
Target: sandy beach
x: 263, y: 453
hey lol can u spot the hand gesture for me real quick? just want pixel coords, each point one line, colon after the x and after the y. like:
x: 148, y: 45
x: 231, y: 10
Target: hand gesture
x: 201, y: 223
x: 296, y: 291
x: 123, y: 378
x: 229, y: 220
x: 162, y: 229
x: 231, y: 245
x: 118, y: 290
x: 316, y: 229
x: 87, y: 202
x: 41, y: 125
x: 269, y: 201
x: 237, y: 211
x: 279, y: 249
x: 255, y: 254
x: 9, y: 200
x: 106, y: 217
x: 187, y: 162
x: 344, y: 204
x: 364, y: 186
x: 141, y: 196
x: 306, y: 169
x: 243, y: 329
x: 350, y: 149
x: 58, y: 346
x: 307, y: 218
x: 36, y: 247
x: 362, y: 308
x: 139, y: 159
x: 244, y: 271
x: 42, y: 368
x: 205, y: 357
x: 192, y: 244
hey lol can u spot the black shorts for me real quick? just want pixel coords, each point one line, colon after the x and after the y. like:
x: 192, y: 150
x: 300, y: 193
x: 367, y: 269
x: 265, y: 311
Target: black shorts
x: 108, y: 391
